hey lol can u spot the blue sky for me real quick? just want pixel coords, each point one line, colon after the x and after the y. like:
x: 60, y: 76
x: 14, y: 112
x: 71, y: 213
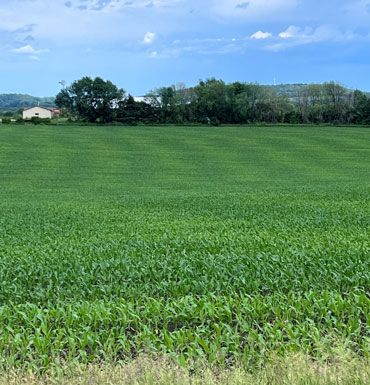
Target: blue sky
x: 143, y: 44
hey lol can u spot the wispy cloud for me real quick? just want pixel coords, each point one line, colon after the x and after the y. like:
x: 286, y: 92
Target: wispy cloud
x: 28, y: 49
x: 115, y: 5
x: 34, y: 57
x: 291, y: 32
x: 193, y: 38
x: 112, y: 21
x: 295, y: 36
x: 268, y: 9
x: 291, y: 37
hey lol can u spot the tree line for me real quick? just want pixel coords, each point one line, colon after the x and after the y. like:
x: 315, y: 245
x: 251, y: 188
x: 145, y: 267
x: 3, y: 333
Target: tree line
x: 213, y: 102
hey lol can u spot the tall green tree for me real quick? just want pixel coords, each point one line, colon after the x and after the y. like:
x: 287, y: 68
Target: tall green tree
x: 361, y: 108
x: 133, y: 112
x: 92, y: 100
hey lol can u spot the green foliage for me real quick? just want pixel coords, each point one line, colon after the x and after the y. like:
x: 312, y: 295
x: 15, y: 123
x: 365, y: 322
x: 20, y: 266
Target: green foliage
x: 211, y: 101
x: 214, y: 102
x: 20, y: 120
x: 132, y: 113
x: 215, y: 243
x: 6, y: 120
x: 361, y: 111
x: 37, y: 120
x: 92, y: 100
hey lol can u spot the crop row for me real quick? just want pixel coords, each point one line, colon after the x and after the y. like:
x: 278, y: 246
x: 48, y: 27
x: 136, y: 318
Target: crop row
x: 108, y: 250
x: 216, y: 328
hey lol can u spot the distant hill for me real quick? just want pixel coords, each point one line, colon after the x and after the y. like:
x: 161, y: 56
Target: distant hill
x: 13, y: 102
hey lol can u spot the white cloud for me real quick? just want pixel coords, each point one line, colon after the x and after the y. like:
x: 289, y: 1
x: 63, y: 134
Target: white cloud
x: 149, y: 37
x: 261, y: 35
x: 295, y: 36
x: 292, y: 31
x: 24, y: 49
x: 28, y: 49
x: 99, y: 23
x: 110, y: 22
x: 35, y: 58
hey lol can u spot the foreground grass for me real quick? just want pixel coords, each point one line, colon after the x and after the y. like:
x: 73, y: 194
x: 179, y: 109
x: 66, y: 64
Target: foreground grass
x: 292, y: 370
x: 214, y: 244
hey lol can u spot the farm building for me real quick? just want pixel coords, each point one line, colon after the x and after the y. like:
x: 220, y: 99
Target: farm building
x: 39, y: 111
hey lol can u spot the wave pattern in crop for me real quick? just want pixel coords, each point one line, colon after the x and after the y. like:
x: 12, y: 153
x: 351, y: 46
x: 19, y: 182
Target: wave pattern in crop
x: 222, y: 244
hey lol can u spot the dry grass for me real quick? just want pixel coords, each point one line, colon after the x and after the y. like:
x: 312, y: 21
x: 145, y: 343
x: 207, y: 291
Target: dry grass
x: 294, y: 370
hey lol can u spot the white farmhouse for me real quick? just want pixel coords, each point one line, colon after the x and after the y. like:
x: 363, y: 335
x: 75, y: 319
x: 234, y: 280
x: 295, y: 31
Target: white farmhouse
x: 40, y: 112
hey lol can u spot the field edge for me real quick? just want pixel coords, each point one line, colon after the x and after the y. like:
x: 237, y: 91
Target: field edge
x: 340, y: 368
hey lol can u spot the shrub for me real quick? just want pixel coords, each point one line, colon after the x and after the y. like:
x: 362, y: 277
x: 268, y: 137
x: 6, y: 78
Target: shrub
x: 19, y: 120
x: 215, y: 122
x: 37, y: 120
x: 6, y: 120
x: 46, y: 121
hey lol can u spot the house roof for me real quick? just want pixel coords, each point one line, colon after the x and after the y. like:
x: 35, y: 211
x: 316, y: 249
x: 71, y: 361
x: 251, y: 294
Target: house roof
x: 44, y: 108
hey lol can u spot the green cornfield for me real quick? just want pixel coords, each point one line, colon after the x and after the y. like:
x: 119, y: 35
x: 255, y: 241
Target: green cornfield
x: 224, y: 244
